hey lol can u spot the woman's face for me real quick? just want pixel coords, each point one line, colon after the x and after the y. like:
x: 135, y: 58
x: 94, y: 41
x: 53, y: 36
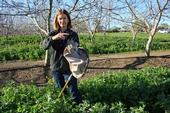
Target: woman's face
x: 62, y: 21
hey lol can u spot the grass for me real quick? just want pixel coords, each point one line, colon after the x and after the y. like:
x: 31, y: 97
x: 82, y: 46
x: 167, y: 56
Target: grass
x: 28, y: 47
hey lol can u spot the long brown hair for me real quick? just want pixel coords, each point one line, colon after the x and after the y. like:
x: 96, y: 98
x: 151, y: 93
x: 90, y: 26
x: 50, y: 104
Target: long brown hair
x: 59, y: 12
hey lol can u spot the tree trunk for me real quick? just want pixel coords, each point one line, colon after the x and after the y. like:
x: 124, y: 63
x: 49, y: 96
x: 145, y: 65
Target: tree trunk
x: 92, y: 37
x: 47, y: 59
x: 148, y: 46
x: 134, y: 37
x: 92, y: 34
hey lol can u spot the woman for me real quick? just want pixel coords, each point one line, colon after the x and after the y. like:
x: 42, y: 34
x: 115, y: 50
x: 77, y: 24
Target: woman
x: 57, y: 41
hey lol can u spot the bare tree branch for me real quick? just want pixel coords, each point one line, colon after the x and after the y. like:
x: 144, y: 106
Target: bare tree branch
x: 36, y: 23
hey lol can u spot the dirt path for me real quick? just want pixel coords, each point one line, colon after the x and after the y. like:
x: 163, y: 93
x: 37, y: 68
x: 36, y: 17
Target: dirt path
x: 130, y: 54
x: 124, y: 61
x: 25, y: 64
x: 35, y: 71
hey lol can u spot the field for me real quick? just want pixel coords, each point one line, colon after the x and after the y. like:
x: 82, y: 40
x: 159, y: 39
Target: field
x: 140, y: 91
x: 29, y: 48
x: 119, y: 78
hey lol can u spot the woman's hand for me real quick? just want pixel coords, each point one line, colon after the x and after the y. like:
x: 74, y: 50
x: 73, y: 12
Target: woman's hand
x: 60, y: 36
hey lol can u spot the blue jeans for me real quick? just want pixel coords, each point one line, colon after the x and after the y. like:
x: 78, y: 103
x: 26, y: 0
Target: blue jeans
x: 60, y: 78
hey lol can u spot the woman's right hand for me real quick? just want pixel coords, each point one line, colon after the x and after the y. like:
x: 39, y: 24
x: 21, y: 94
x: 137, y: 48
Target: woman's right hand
x: 60, y: 36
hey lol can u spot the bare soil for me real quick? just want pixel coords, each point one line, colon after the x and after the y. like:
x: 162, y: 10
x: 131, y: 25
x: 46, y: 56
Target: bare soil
x: 35, y: 71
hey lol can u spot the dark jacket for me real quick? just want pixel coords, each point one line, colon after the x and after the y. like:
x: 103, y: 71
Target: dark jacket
x: 57, y: 60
